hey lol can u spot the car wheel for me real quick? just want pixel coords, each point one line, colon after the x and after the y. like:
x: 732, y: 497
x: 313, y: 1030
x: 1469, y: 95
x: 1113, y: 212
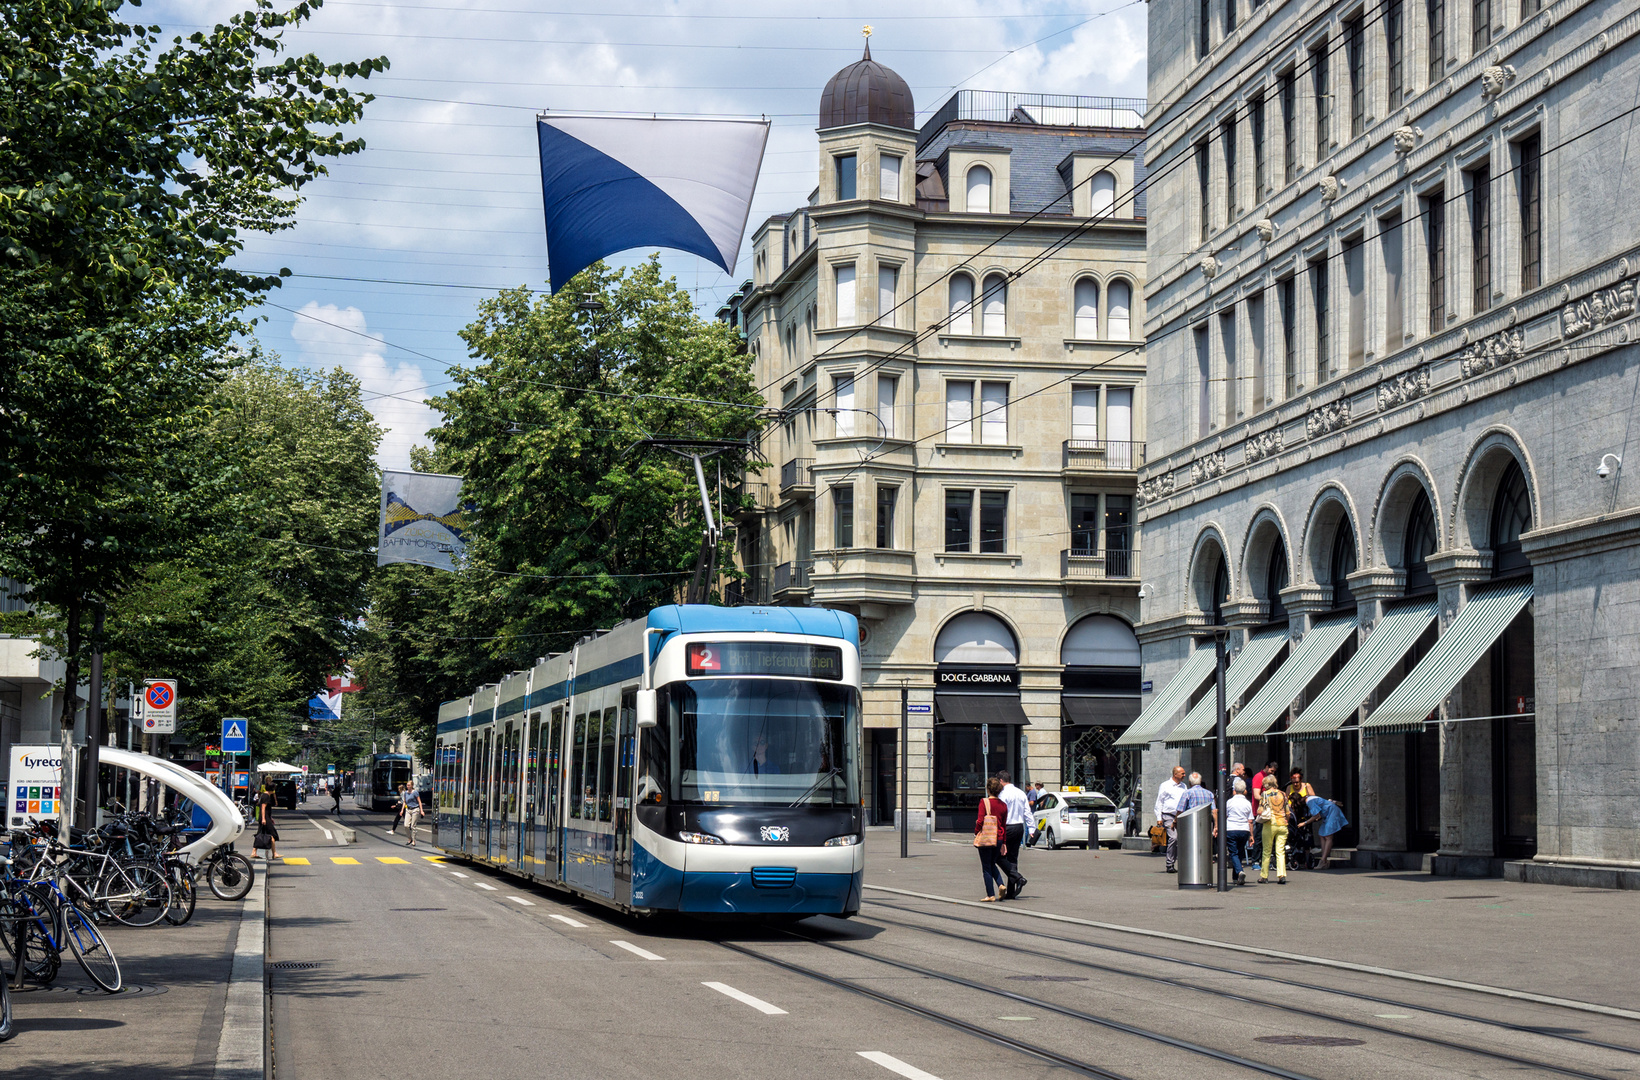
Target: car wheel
x: 1053, y: 840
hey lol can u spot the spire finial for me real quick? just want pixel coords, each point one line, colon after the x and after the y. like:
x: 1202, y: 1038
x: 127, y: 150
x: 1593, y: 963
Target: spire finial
x: 866, y: 30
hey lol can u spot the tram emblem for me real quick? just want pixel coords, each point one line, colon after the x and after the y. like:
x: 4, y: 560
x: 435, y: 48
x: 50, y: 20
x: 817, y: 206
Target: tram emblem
x: 773, y: 833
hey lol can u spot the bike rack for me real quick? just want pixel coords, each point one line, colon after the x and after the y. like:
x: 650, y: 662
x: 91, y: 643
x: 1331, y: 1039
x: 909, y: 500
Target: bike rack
x: 227, y: 823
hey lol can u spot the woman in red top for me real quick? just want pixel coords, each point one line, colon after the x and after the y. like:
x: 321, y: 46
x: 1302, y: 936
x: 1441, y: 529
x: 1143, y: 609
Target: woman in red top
x: 990, y: 854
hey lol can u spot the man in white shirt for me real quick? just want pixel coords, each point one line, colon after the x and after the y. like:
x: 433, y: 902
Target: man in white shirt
x: 1167, y: 806
x: 1019, y: 813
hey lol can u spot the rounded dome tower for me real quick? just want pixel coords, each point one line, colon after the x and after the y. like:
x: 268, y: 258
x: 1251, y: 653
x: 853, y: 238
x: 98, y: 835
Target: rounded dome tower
x: 866, y: 92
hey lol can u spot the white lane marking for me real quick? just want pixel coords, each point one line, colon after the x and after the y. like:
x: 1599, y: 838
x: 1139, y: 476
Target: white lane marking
x: 318, y: 826
x: 521, y: 900
x: 481, y: 885
x: 458, y: 873
x: 895, y: 1065
x: 631, y: 948
x: 570, y: 921
x: 746, y: 999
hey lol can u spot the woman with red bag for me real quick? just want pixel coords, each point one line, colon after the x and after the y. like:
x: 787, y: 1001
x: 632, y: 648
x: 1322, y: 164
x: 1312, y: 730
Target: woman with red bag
x: 990, y: 839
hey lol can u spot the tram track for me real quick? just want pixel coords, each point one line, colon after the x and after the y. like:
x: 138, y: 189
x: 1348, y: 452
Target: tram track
x: 1353, y: 1022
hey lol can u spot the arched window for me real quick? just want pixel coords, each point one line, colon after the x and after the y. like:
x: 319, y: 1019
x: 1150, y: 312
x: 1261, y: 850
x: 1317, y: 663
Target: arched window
x: 995, y: 306
x: 1275, y: 579
x: 1100, y: 641
x: 979, y: 190
x: 1342, y: 564
x: 1121, y: 300
x: 1511, y: 516
x: 1103, y: 192
x: 975, y: 638
x: 1419, y: 546
x: 1087, y: 308
x: 962, y: 304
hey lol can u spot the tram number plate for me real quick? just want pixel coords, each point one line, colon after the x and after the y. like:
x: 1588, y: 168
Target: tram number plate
x: 765, y: 658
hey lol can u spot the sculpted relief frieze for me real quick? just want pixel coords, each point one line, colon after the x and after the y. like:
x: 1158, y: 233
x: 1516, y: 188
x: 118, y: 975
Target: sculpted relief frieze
x: 1598, y: 308
x: 1159, y: 488
x: 1402, y: 388
x: 1491, y: 351
x: 1259, y: 447
x: 1207, y: 467
x: 1326, y: 419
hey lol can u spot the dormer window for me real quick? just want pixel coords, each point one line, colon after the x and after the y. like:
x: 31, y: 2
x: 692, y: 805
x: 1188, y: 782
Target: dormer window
x: 888, y: 178
x: 979, y: 190
x: 846, y: 188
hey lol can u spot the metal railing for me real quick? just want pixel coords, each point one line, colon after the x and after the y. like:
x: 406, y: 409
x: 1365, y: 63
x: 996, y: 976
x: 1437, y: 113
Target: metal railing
x: 1104, y: 455
x: 796, y: 473
x: 791, y: 575
x: 1054, y: 110
x: 1112, y: 564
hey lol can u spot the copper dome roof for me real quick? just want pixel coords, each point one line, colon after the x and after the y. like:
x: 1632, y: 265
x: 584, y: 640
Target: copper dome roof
x: 866, y: 92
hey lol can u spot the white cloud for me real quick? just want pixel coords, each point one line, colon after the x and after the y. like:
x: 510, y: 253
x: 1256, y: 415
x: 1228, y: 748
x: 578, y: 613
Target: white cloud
x: 329, y: 336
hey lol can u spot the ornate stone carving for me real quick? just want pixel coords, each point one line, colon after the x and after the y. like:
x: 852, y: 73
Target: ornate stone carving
x: 1331, y: 187
x: 1207, y: 467
x: 1598, y: 308
x: 1406, y: 138
x: 1266, y: 229
x: 1491, y: 351
x: 1262, y: 446
x: 1210, y: 268
x: 1495, y: 79
x: 1327, y: 418
x: 1402, y: 388
x: 1159, y: 488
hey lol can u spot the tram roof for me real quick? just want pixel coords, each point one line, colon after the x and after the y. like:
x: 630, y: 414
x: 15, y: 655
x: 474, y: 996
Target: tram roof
x: 709, y: 619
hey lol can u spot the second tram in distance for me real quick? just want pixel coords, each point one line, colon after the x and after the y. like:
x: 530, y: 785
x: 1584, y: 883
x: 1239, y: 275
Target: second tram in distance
x: 376, y: 779
x: 706, y: 760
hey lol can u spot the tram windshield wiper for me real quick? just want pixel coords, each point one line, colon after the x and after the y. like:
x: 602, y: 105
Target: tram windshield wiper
x: 830, y: 774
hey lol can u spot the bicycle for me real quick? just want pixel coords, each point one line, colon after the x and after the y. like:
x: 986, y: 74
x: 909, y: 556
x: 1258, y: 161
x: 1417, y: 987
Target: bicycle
x: 37, y: 920
x: 134, y: 893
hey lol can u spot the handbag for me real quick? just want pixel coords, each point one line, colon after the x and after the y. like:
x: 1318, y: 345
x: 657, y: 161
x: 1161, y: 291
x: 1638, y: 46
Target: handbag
x: 263, y: 839
x: 990, y: 832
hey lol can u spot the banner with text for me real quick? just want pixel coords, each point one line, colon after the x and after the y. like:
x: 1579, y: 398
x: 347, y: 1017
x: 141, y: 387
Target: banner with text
x: 423, y: 520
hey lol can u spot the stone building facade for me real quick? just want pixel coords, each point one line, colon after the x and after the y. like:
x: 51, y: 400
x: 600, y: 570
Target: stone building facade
x: 950, y: 328
x: 1392, y: 385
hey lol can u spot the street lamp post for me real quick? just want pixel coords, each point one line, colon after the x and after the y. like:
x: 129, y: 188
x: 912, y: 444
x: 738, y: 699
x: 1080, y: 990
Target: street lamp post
x: 1221, y: 757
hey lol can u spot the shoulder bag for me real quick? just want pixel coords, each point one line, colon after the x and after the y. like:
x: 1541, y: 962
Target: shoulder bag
x: 990, y: 830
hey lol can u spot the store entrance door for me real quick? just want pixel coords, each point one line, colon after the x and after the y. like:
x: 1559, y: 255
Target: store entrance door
x: 885, y: 775
x: 965, y: 756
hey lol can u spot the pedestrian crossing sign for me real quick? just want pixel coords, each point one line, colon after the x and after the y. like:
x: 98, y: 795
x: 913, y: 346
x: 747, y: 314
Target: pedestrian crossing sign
x: 236, y: 735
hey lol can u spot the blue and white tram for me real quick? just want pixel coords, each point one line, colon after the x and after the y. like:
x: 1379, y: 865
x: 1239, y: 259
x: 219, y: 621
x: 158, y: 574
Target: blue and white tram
x: 705, y: 761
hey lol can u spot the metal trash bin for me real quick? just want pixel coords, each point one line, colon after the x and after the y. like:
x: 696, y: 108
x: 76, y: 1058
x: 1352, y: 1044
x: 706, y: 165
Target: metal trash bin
x: 1195, y: 829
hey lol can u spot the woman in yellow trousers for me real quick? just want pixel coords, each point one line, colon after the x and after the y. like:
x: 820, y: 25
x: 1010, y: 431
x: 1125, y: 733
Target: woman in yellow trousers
x: 1272, y: 808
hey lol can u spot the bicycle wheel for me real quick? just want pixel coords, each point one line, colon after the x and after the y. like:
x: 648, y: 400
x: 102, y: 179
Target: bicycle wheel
x: 184, y: 896
x: 91, y: 950
x: 34, y: 941
x: 138, y: 895
x: 5, y: 1006
x: 231, y: 876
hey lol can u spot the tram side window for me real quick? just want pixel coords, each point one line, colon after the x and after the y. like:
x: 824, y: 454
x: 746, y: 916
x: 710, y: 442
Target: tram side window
x: 623, y: 779
x: 577, y: 766
x: 654, y: 763
x: 606, y: 772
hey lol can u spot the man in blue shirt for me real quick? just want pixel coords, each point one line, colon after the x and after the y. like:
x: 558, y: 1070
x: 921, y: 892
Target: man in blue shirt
x: 1197, y: 795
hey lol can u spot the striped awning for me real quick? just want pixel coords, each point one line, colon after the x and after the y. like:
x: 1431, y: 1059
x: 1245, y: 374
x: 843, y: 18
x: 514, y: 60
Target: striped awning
x: 1290, y: 679
x: 1169, y: 699
x: 1249, y: 664
x: 1483, y: 619
x: 1384, y: 648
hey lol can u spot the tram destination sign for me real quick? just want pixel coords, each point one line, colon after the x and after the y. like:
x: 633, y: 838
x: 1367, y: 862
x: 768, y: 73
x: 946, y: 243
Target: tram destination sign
x: 765, y: 658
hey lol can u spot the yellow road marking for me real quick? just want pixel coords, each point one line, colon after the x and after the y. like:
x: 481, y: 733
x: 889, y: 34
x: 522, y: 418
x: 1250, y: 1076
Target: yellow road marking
x: 343, y: 860
x: 392, y: 859
x: 291, y: 860
x: 434, y: 858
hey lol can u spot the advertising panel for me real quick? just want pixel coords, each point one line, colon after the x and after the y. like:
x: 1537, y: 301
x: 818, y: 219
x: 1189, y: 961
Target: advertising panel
x: 33, y: 784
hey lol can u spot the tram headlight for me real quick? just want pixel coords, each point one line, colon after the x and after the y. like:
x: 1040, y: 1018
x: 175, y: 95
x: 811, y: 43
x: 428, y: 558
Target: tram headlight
x: 699, y: 838
x: 844, y: 841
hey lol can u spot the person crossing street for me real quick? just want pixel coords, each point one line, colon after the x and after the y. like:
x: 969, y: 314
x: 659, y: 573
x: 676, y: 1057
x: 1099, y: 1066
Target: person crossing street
x: 1019, y: 814
x: 410, y: 806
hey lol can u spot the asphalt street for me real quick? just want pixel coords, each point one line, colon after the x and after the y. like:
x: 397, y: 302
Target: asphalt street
x: 390, y: 961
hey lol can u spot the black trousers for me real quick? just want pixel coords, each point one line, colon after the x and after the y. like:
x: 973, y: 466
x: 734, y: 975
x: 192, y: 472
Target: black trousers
x: 1010, y: 862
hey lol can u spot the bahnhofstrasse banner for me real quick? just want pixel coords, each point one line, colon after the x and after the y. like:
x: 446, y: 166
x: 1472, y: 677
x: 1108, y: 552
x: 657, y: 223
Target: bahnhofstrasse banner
x: 423, y: 520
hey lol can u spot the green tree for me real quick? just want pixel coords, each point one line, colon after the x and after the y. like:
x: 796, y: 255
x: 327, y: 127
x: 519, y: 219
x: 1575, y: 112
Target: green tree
x: 577, y: 524
x: 128, y: 172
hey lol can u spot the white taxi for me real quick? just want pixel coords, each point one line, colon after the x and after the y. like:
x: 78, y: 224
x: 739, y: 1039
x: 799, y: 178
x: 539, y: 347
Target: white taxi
x: 1063, y: 816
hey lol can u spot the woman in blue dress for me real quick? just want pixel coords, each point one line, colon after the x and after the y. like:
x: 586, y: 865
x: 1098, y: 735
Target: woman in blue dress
x: 1328, y: 818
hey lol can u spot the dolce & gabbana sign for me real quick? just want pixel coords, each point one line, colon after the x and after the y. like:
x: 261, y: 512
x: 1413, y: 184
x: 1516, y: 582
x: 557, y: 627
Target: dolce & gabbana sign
x: 977, y: 680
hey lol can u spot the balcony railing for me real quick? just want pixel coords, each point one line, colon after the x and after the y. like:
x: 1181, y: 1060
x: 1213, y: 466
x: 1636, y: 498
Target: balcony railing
x: 757, y: 497
x: 790, y: 577
x: 796, y: 475
x: 1103, y: 455
x: 1056, y: 110
x: 1112, y: 564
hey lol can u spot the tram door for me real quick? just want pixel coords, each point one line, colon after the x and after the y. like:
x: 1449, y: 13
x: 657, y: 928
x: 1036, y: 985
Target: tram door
x: 523, y: 773
x: 486, y: 795
x: 472, y: 795
x: 627, y: 736
x: 532, y: 793
x: 552, y: 764
x: 508, y: 803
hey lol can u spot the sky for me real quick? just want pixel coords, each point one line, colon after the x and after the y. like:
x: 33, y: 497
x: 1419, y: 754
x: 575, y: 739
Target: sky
x: 395, y: 248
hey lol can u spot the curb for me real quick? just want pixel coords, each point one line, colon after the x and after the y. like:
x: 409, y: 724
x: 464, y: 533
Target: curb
x: 241, y: 1052
x: 345, y: 834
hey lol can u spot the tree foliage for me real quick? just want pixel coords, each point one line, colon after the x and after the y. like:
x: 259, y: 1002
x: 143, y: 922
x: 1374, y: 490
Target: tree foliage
x: 128, y: 172
x: 578, y: 525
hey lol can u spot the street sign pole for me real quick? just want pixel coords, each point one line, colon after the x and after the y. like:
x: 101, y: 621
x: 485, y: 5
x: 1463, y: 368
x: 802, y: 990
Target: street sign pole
x: 1222, y: 761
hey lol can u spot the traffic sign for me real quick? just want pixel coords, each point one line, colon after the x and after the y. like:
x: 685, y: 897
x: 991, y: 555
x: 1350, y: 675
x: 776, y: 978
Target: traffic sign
x: 236, y: 735
x: 919, y: 708
x: 159, y: 701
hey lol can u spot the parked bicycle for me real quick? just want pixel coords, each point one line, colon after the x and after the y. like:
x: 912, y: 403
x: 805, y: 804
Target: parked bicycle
x: 38, y: 920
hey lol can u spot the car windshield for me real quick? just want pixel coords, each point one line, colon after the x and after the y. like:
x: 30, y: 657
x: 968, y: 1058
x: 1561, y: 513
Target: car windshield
x: 1089, y: 802
x: 764, y: 741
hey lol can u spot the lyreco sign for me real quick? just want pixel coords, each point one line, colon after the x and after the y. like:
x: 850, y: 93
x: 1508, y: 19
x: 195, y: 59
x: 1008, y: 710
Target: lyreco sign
x: 159, y: 707
x: 34, y: 783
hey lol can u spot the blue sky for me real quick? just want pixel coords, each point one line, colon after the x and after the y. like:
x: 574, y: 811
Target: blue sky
x: 446, y: 199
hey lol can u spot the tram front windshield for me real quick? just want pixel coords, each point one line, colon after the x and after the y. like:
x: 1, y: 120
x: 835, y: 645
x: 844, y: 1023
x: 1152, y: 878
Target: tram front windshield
x: 780, y: 742
x: 388, y: 775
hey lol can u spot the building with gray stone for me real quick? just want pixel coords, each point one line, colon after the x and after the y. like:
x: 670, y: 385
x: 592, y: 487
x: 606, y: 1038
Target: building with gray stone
x: 950, y: 332
x: 1392, y: 391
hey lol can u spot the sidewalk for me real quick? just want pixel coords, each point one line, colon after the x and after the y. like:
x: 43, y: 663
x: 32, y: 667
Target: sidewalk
x: 1550, y: 939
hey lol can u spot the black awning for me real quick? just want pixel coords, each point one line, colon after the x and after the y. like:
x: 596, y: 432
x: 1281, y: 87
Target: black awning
x: 1100, y: 711
x: 979, y: 709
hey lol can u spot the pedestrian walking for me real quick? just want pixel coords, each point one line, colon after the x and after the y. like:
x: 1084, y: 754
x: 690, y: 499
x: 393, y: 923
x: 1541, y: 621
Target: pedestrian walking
x: 1167, y: 808
x: 267, y: 835
x: 336, y: 796
x: 1328, y: 818
x: 410, y: 807
x: 1238, y: 816
x: 398, y: 809
x: 1019, y: 812
x: 1272, y: 813
x: 991, y: 840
